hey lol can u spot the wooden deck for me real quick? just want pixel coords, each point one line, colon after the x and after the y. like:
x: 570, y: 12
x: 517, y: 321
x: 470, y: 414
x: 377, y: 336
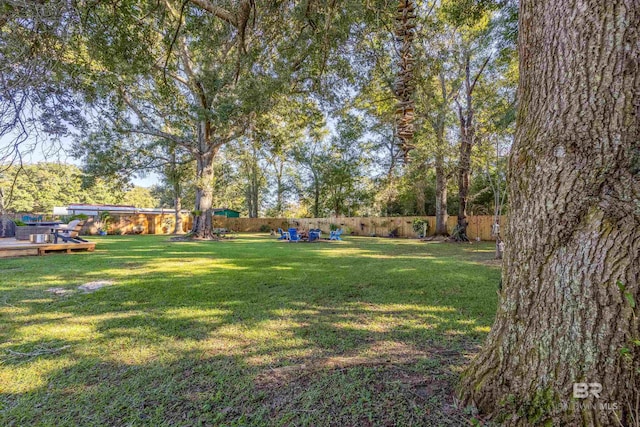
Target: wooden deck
x: 14, y: 248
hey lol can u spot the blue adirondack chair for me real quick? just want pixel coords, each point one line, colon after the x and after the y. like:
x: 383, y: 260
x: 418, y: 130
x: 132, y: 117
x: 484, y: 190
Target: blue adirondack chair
x: 293, y: 235
x: 314, y: 235
x: 283, y: 235
x: 335, y: 235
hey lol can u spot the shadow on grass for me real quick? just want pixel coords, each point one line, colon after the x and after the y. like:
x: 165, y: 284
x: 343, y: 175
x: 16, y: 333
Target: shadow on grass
x: 244, y: 332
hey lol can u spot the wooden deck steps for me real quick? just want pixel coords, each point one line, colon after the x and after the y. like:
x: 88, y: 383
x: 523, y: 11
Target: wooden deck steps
x: 15, y: 248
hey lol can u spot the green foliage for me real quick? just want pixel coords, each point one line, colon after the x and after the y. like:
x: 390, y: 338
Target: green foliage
x: 627, y: 294
x: 265, y: 228
x: 104, y: 221
x: 105, y: 216
x: 37, y: 188
x: 298, y: 104
x: 467, y: 12
x: 140, y: 197
x: 420, y: 226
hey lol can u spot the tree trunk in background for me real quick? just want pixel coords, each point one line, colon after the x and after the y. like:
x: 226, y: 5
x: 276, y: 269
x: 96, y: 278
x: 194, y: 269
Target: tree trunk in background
x: 441, y: 173
x: 316, y: 196
x: 420, y: 198
x: 2, y: 208
x: 467, y: 139
x: 177, y: 206
x: 464, y: 168
x: 441, y: 198
x: 252, y: 191
x: 569, y: 310
x: 279, y: 191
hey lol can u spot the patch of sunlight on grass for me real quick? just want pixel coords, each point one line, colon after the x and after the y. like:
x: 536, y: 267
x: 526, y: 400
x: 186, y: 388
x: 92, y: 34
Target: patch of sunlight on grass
x: 344, y: 252
x: 274, y: 329
x: 32, y: 376
x: 401, y: 270
x: 126, y: 353
x: 369, y: 326
x: 409, y: 308
x: 398, y: 257
x: 475, y: 249
x: 482, y: 329
x: 192, y: 313
x: 195, y: 266
x: 56, y: 315
x: 50, y: 280
x: 67, y: 331
x: 219, y: 344
x: 280, y: 267
x: 13, y: 310
x: 284, y: 312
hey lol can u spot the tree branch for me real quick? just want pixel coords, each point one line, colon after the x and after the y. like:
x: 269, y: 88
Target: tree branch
x: 217, y: 11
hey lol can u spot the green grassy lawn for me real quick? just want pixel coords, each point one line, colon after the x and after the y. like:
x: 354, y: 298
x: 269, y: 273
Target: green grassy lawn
x: 243, y: 332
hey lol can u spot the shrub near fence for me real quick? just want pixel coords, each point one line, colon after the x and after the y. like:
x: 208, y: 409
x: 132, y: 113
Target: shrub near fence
x: 479, y: 225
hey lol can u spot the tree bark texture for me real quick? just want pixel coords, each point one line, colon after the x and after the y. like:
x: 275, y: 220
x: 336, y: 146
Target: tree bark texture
x: 203, y: 221
x: 439, y: 125
x: 467, y: 140
x: 177, y: 206
x: 419, y: 187
x: 464, y: 172
x: 316, y: 195
x: 404, y: 86
x: 280, y: 189
x: 569, y: 306
x: 441, y: 198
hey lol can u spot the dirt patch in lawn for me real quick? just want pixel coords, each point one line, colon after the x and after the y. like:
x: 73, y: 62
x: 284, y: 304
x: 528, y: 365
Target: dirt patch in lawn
x: 400, y: 383
x: 94, y: 286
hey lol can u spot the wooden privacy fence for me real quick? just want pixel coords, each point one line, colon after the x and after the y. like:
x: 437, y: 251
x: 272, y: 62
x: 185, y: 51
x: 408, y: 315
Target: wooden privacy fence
x: 479, y: 225
x: 139, y: 224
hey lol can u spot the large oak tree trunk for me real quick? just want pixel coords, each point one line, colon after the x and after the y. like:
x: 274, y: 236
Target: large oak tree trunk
x: 569, y: 309
x: 203, y: 220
